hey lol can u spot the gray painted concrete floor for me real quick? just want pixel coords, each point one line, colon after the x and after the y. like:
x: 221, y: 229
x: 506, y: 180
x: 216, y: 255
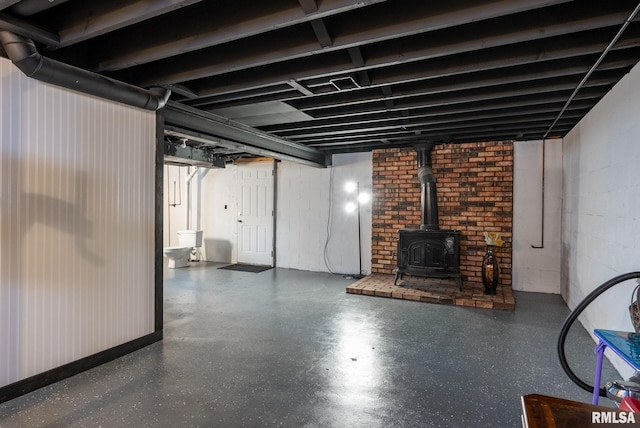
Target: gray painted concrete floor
x: 287, y: 348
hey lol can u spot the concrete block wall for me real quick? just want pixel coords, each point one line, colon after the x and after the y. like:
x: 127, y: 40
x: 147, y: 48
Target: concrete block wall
x: 302, y: 212
x: 601, y: 210
x: 219, y: 214
x: 475, y: 194
x: 536, y: 257
x: 313, y: 230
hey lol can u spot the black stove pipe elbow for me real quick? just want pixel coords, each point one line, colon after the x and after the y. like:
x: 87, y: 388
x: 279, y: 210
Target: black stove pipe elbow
x: 573, y: 316
x: 24, y: 55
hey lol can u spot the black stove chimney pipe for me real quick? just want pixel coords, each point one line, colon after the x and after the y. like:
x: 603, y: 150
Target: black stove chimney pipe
x: 428, y: 193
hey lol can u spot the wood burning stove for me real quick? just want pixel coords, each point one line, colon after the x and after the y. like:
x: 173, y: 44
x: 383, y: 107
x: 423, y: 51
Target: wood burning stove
x: 428, y: 251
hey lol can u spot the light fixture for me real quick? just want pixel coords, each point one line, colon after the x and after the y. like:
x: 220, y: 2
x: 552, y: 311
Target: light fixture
x: 350, y: 186
x: 353, y: 206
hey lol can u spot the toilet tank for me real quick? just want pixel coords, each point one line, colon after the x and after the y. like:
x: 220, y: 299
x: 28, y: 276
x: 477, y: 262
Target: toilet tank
x: 190, y: 238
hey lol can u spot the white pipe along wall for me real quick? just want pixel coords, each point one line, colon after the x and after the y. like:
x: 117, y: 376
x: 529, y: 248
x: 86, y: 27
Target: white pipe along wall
x: 537, y: 235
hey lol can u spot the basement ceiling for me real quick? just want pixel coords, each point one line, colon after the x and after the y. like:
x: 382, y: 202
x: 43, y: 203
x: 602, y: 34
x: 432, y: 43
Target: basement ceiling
x: 305, y: 79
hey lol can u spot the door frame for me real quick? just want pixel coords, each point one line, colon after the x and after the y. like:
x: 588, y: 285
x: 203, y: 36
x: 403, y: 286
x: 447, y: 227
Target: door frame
x: 274, y: 192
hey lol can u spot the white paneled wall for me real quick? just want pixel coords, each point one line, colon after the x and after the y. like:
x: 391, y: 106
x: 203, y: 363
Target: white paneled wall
x: 537, y: 269
x: 77, y: 214
x: 601, y: 214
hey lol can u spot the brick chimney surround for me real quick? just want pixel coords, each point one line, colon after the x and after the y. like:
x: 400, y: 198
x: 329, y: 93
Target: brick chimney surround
x: 475, y: 194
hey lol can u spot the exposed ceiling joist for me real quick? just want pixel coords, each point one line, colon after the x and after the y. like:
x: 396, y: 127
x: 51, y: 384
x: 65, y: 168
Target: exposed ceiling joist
x: 560, y: 68
x: 384, y: 24
x: 299, y: 87
x: 513, y: 45
x: 225, y: 24
x: 305, y: 79
x: 308, y: 6
x: 26, y: 29
x: 453, y: 113
x: 83, y: 23
x: 322, y: 34
x: 7, y: 4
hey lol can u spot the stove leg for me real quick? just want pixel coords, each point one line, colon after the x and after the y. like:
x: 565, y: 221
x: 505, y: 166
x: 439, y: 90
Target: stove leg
x: 398, y: 275
x: 459, y: 282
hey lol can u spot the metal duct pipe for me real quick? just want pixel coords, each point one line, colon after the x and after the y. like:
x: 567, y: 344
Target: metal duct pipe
x: 428, y: 190
x: 24, y: 55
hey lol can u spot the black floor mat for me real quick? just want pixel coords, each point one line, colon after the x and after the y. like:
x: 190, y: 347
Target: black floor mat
x: 246, y: 268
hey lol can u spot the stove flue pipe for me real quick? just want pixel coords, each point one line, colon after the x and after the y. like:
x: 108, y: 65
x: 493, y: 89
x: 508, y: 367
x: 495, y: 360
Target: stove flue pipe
x: 22, y: 52
x: 428, y: 190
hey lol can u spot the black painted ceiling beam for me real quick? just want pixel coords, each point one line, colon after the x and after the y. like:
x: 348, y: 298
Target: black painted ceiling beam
x: 265, y: 69
x: 385, y: 22
x: 206, y: 126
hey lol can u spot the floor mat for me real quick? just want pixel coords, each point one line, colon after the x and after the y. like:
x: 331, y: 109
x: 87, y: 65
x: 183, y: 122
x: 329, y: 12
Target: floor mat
x: 246, y: 268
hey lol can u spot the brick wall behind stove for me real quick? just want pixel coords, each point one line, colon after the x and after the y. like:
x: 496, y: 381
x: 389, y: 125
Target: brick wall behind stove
x: 475, y: 194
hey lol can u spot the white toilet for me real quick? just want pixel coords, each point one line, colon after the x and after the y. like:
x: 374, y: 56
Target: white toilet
x: 188, y: 241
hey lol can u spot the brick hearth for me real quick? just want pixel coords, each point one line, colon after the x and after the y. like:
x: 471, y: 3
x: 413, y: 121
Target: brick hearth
x: 433, y: 290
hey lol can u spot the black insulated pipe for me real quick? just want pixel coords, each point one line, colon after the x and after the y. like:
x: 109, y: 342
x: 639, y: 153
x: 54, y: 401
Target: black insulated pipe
x: 428, y: 190
x: 573, y: 316
x: 24, y: 55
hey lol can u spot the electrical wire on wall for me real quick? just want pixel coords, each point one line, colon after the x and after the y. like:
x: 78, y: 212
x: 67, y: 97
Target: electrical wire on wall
x: 329, y: 221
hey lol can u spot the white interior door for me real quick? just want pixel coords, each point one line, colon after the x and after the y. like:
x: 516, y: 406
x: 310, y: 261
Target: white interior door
x: 255, y: 213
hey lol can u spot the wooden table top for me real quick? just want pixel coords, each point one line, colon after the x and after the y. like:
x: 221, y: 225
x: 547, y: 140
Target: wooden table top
x: 542, y: 411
